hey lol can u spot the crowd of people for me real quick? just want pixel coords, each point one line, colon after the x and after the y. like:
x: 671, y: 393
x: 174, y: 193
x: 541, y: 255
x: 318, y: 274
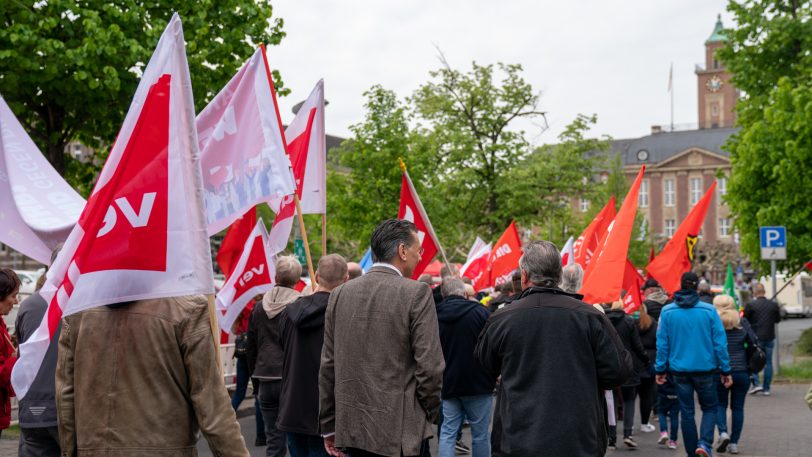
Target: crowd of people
x: 376, y: 364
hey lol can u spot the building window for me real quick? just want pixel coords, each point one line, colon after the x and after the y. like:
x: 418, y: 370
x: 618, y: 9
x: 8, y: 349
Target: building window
x: 696, y: 190
x: 670, y: 227
x: 721, y: 187
x: 669, y: 192
x: 724, y: 227
x: 584, y: 205
x: 642, y: 198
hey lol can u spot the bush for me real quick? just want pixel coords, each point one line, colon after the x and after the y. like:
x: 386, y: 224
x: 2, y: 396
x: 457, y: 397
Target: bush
x: 804, y: 345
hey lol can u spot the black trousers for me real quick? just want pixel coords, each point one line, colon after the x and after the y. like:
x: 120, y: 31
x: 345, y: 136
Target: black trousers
x: 269, y: 405
x: 39, y: 442
x: 424, y: 452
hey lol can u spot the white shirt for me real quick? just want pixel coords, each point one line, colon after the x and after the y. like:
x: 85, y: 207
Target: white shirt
x: 387, y: 265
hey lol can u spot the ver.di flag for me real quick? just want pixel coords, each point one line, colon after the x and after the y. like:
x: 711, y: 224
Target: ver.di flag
x: 252, y: 275
x: 242, y: 146
x: 231, y: 248
x: 38, y: 209
x: 632, y: 283
x: 476, y: 264
x: 142, y: 233
x: 504, y: 257
x: 412, y: 210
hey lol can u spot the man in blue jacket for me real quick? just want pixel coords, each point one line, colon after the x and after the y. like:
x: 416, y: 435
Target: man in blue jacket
x: 691, y: 343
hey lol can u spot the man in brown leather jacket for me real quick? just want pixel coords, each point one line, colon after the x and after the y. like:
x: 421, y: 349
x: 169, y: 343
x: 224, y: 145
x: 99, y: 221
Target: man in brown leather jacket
x: 140, y: 378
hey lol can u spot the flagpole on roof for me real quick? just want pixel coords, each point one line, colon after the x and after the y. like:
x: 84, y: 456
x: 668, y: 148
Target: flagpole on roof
x: 426, y: 219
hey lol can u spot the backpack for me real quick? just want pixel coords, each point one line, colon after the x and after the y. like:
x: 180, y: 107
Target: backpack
x: 241, y: 345
x: 756, y: 356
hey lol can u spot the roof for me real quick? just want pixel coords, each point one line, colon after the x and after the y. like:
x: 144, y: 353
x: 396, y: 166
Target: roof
x: 718, y: 34
x: 662, y: 146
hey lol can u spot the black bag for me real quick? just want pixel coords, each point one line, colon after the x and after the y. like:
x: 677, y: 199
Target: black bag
x: 756, y: 356
x: 241, y: 345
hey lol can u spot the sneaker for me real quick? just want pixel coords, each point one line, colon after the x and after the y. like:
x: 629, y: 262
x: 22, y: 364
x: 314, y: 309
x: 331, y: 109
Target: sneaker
x: 629, y: 441
x: 611, y: 447
x: 672, y: 444
x: 733, y: 448
x: 462, y: 447
x: 703, y: 451
x: 724, y: 440
x: 260, y: 441
x: 647, y: 428
x: 663, y: 438
x: 766, y: 393
x: 755, y: 390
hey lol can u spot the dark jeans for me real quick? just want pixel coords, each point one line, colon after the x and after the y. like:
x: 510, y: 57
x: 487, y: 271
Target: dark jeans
x: 242, y: 383
x: 647, y: 392
x: 768, y: 369
x: 269, y: 404
x: 39, y: 442
x: 629, y: 394
x: 424, y: 452
x: 736, y: 394
x: 668, y: 409
x: 301, y: 445
x: 705, y: 388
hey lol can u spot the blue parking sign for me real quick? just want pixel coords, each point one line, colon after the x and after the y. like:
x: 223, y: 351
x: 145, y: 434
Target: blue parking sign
x: 773, y: 243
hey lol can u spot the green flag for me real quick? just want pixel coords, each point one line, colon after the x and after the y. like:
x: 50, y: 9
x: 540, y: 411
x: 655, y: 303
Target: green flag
x: 730, y: 286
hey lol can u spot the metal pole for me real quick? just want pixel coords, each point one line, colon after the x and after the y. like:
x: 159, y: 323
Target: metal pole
x: 777, y: 348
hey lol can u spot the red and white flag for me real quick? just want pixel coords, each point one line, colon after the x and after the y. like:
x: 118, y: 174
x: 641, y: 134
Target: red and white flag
x: 39, y: 209
x: 143, y: 232
x: 412, y: 210
x: 504, y: 257
x: 632, y: 283
x: 231, y: 248
x: 476, y: 264
x: 567, y: 253
x: 242, y: 146
x: 307, y: 149
x: 587, y: 245
x: 252, y: 275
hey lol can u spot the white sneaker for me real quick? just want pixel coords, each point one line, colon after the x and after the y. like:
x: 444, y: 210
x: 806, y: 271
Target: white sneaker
x: 724, y: 440
x: 755, y: 390
x: 766, y: 393
x: 733, y: 448
x: 647, y: 428
x: 663, y: 438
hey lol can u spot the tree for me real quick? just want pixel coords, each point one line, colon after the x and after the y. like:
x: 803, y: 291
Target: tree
x: 69, y: 68
x: 469, y: 121
x: 770, y: 56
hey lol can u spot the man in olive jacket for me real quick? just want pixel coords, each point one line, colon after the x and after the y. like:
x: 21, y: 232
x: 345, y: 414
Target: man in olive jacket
x: 381, y: 365
x: 140, y: 378
x: 556, y: 355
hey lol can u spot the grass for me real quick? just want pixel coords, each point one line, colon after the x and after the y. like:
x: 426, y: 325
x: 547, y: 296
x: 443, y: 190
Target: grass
x: 803, y: 347
x: 11, y: 433
x: 800, y: 371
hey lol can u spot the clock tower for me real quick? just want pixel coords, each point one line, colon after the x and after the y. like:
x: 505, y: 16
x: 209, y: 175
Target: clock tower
x: 717, y: 96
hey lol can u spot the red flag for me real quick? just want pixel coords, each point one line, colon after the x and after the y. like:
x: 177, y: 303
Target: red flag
x: 632, y: 282
x: 476, y: 264
x: 253, y: 274
x: 602, y: 279
x: 587, y: 244
x: 650, y: 258
x: 234, y: 241
x: 143, y: 232
x: 412, y: 210
x: 808, y: 265
x: 505, y: 256
x: 677, y: 256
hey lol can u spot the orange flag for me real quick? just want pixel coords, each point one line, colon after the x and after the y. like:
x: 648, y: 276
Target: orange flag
x: 604, y: 276
x: 505, y: 256
x: 587, y: 244
x: 632, y: 282
x: 676, y: 257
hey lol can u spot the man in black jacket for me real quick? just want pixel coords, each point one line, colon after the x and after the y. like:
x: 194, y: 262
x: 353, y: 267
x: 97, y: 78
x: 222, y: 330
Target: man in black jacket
x: 301, y: 340
x: 467, y: 387
x: 556, y: 355
x: 763, y: 315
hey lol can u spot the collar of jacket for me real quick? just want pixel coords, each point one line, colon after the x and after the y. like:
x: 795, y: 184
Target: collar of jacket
x: 547, y: 290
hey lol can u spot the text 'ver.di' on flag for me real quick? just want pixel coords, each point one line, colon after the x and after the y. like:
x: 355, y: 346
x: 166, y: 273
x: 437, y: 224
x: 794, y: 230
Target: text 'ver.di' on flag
x: 142, y: 233
x: 603, y: 278
x: 504, y: 257
x: 632, y: 282
x: 678, y: 254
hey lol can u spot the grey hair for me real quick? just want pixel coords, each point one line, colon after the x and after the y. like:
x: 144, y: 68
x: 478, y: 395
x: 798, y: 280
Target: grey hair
x: 453, y: 286
x: 572, y: 277
x: 704, y: 287
x: 288, y: 271
x: 542, y: 263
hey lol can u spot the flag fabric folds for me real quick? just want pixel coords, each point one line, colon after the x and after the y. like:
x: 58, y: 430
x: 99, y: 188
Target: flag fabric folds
x: 39, y: 208
x: 588, y: 243
x: 366, y: 261
x: 476, y: 264
x: 504, y: 257
x: 678, y: 254
x: 412, y: 210
x: 142, y: 233
x: 632, y: 283
x: 602, y: 283
x: 730, y: 285
x: 230, y: 250
x: 567, y: 253
x: 252, y: 275
x: 242, y: 146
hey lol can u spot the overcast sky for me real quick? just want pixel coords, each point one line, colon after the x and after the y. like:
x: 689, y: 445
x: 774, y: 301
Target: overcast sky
x: 610, y: 58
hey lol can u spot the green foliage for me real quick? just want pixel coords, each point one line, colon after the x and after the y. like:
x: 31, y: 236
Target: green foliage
x: 803, y: 347
x: 69, y: 68
x: 770, y: 54
x: 800, y: 371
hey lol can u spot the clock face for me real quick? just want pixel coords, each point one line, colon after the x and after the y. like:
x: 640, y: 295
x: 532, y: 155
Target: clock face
x: 642, y: 155
x: 714, y: 84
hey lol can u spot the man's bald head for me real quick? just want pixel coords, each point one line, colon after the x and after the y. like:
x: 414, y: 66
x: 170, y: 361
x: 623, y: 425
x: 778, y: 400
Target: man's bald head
x: 758, y: 290
x: 354, y: 270
x: 331, y: 272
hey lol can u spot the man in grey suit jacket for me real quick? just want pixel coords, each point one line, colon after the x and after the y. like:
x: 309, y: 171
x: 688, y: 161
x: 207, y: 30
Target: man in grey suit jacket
x: 382, y: 364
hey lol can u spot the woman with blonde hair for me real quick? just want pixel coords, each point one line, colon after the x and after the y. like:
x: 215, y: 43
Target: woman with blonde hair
x: 737, y: 341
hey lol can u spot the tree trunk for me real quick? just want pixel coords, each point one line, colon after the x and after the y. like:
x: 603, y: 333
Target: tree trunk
x: 56, y: 155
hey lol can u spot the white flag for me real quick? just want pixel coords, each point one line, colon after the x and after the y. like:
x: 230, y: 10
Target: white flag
x: 568, y: 253
x: 142, y: 234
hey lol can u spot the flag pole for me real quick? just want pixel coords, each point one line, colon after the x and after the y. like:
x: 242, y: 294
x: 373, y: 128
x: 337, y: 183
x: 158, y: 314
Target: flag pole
x: 215, y: 334
x: 304, y: 241
x: 791, y: 279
